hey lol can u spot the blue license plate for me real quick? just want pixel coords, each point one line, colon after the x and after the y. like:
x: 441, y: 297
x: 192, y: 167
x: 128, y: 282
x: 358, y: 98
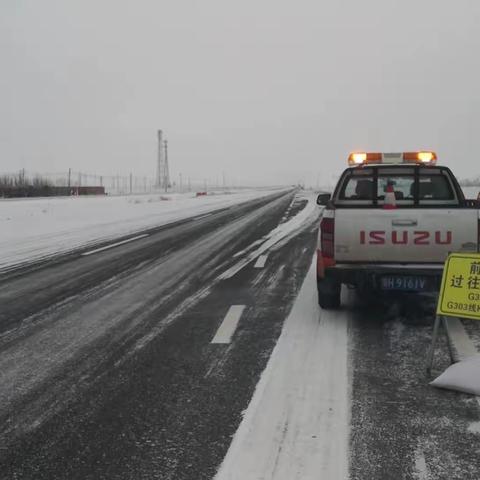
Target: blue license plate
x: 404, y: 283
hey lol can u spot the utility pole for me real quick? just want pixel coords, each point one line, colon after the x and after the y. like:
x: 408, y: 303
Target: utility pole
x: 166, y: 177
x: 21, y: 177
x: 69, y: 177
x: 160, y: 160
x: 163, y: 174
x: 130, y: 183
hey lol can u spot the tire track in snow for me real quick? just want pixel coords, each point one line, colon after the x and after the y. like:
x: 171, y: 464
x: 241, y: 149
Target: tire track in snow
x: 278, y: 237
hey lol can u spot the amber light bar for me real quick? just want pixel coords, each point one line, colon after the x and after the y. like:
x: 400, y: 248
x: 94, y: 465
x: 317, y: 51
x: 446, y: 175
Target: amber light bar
x: 361, y: 158
x: 420, y: 157
x: 364, y: 158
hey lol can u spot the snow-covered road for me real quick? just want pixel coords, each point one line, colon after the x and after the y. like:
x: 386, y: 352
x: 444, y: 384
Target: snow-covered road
x: 74, y: 347
x: 147, y: 359
x: 35, y: 228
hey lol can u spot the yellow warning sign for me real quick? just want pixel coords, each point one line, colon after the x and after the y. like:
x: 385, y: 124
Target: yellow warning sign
x: 460, y: 291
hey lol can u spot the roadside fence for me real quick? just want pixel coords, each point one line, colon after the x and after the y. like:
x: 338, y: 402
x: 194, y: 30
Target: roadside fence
x: 72, y: 180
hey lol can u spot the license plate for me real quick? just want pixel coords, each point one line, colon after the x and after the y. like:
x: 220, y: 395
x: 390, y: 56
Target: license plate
x: 404, y: 283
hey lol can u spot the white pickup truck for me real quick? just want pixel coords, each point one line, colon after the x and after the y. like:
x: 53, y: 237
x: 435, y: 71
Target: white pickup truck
x: 390, y: 224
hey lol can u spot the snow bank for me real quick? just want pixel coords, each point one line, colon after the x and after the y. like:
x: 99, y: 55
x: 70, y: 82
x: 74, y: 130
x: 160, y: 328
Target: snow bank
x: 297, y: 424
x: 463, y: 376
x: 40, y: 227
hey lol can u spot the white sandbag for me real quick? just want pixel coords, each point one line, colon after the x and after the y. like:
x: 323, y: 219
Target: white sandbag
x: 463, y: 376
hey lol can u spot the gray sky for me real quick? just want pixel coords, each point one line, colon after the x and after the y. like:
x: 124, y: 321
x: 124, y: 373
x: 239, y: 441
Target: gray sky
x: 269, y: 91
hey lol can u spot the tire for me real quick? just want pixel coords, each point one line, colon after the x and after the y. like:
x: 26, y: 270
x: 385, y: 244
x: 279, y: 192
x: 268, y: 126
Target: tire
x: 328, y: 293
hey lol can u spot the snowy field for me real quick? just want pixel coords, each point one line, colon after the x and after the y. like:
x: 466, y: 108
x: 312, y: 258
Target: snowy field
x: 35, y: 228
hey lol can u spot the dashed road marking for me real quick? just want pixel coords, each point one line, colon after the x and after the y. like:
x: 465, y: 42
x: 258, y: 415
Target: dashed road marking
x: 261, y: 260
x: 421, y: 467
x: 91, y: 252
x: 229, y: 325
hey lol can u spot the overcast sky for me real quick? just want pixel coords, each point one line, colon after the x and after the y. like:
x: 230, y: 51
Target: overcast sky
x: 269, y: 91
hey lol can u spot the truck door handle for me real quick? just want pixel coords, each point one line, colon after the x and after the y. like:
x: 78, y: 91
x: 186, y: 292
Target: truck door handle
x: 404, y: 223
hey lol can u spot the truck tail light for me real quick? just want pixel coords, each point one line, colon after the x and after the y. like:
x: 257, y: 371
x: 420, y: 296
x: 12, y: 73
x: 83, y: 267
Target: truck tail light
x: 327, y: 229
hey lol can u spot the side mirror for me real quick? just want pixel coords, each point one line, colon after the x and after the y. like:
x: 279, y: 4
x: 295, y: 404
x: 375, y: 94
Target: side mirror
x: 323, y: 199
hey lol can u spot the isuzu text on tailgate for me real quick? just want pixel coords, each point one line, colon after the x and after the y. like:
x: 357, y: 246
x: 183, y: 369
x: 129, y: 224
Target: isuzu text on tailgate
x: 390, y: 224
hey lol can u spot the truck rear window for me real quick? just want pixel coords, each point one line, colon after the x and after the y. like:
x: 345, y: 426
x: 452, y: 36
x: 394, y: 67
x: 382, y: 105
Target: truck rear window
x: 363, y: 187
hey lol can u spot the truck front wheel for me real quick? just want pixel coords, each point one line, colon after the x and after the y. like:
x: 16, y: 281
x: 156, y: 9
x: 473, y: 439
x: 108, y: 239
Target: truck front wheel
x: 328, y: 293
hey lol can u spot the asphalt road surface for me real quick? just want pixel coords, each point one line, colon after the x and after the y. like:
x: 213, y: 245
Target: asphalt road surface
x: 108, y: 369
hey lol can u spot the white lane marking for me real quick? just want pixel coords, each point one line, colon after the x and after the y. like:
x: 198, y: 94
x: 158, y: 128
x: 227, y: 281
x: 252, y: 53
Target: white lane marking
x: 91, y: 252
x: 474, y: 427
x: 229, y: 325
x: 202, y: 216
x: 262, y: 259
x: 421, y: 468
x: 297, y: 423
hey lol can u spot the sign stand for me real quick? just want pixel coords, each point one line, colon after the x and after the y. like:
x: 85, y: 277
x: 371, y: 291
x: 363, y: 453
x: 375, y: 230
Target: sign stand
x: 439, y: 321
x: 459, y: 295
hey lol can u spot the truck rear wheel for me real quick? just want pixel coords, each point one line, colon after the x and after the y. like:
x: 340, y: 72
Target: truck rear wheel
x: 328, y: 293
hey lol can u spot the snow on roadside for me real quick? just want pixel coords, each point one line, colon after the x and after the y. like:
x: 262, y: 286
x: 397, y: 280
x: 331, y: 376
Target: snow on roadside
x: 34, y: 228
x: 297, y: 424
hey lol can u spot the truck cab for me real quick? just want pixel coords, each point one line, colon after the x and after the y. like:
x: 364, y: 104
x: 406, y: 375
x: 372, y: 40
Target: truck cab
x: 390, y: 224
